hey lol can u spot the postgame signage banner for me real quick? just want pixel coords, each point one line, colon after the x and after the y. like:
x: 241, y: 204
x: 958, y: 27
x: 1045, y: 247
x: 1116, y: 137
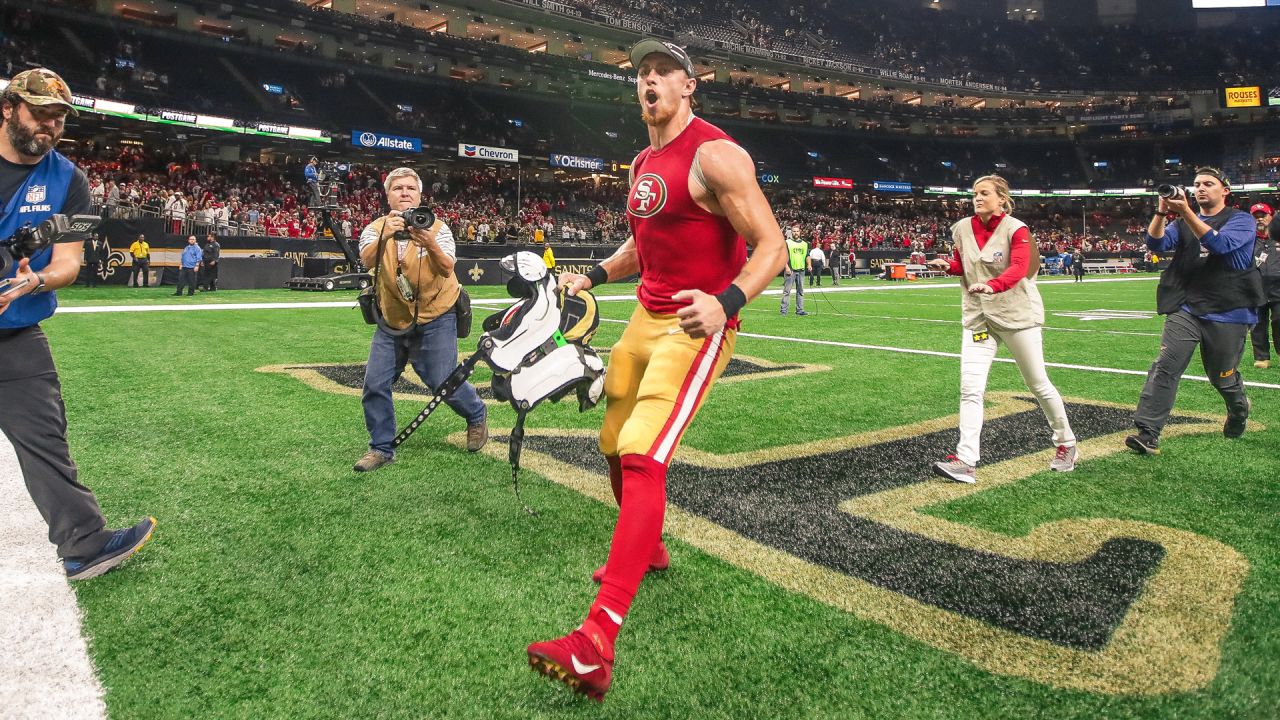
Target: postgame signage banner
x: 577, y: 162
x: 484, y: 152
x: 1242, y: 97
x: 829, y: 183
x: 148, y: 114
x: 381, y: 141
x: 893, y: 187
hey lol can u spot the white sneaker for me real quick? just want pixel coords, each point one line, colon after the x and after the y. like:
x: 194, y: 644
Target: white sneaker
x: 956, y: 470
x: 1065, y: 459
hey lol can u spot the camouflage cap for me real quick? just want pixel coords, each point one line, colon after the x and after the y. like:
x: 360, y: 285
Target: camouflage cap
x: 42, y: 87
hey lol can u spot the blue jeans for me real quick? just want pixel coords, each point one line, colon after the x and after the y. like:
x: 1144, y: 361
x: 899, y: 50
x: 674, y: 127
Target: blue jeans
x: 433, y: 350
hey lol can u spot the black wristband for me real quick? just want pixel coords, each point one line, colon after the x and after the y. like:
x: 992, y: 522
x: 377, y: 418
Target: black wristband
x: 598, y: 276
x: 732, y: 300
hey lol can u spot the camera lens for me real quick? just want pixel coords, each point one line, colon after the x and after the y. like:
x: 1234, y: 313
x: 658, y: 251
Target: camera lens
x: 1169, y: 192
x: 419, y: 218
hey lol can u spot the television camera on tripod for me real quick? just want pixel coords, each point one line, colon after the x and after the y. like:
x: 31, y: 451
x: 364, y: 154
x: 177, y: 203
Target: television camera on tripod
x: 325, y: 183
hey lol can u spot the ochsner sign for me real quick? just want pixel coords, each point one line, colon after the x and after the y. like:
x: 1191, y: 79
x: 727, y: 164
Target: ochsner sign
x: 575, y: 162
x: 483, y: 152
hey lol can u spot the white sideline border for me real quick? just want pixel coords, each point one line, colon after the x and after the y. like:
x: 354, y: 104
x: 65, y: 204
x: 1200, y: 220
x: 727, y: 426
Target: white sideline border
x: 943, y: 354
x: 45, y: 670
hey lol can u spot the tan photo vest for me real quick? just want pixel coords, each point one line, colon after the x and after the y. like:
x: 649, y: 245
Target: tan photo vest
x: 434, y: 295
x: 1017, y: 308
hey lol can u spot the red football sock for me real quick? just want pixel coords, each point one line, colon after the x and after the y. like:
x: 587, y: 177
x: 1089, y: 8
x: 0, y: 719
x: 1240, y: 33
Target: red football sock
x: 639, y: 528
x: 615, y: 476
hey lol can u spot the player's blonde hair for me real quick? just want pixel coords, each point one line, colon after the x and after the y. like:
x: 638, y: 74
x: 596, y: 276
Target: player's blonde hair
x: 1002, y: 190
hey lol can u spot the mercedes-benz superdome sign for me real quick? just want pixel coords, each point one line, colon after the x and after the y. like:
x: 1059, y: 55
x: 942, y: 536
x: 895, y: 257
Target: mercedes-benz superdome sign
x: 577, y: 162
x: 484, y: 152
x: 380, y: 141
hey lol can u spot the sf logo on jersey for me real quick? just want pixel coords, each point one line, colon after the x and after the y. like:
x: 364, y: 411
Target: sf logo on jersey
x: 648, y: 196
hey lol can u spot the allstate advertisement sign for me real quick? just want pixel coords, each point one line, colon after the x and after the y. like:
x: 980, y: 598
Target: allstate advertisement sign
x: 576, y: 162
x: 484, y: 152
x: 379, y: 141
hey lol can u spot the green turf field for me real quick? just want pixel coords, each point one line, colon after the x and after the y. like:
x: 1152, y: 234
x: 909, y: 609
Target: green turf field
x: 817, y: 569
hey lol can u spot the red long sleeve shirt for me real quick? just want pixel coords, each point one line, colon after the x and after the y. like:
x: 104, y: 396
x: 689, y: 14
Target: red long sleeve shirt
x: 1019, y: 253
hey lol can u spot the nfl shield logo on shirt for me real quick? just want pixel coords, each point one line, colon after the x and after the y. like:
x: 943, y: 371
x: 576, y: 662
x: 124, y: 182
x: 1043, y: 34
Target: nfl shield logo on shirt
x: 35, y: 194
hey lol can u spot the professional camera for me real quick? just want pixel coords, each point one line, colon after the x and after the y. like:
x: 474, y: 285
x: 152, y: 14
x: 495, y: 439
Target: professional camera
x: 333, y: 170
x: 29, y: 240
x: 419, y: 218
x: 1170, y: 192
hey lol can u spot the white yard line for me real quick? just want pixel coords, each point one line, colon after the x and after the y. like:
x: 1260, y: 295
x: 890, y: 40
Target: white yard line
x: 45, y: 671
x: 938, y: 353
x: 958, y: 322
x: 76, y: 310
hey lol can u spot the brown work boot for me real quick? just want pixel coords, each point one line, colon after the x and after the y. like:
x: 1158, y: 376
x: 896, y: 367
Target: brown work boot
x: 373, y: 460
x: 477, y: 435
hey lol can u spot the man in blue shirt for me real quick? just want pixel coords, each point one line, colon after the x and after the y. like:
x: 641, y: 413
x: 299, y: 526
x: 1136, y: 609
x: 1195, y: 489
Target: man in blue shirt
x: 191, y: 256
x: 1209, y: 295
x: 36, y: 181
x: 312, y: 175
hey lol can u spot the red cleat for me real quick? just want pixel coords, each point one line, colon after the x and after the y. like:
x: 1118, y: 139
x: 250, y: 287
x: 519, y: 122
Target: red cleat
x: 659, y: 561
x: 583, y: 660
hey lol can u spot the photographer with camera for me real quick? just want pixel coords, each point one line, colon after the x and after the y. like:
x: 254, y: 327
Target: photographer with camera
x: 36, y: 183
x: 1209, y: 296
x: 415, y: 291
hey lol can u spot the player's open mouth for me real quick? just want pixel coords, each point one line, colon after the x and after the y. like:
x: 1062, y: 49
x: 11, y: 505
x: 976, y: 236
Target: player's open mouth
x: 651, y: 97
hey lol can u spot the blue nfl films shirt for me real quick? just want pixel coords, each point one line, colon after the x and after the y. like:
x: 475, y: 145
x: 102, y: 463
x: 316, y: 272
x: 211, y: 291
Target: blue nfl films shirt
x: 43, y: 192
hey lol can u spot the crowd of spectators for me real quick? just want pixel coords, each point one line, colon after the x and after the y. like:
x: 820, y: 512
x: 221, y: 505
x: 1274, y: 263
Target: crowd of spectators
x: 250, y: 198
x: 863, y: 221
x: 485, y: 205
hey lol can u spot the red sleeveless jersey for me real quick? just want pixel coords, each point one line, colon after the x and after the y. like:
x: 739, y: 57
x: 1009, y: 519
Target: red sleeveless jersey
x: 680, y: 245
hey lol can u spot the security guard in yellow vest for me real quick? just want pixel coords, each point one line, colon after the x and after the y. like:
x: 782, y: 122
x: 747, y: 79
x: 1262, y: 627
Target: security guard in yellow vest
x: 797, y: 257
x: 416, y: 291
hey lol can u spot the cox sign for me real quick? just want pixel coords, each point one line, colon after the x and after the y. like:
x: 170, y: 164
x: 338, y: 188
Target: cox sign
x: 484, y: 152
x: 378, y: 141
x: 770, y: 179
x: 575, y: 162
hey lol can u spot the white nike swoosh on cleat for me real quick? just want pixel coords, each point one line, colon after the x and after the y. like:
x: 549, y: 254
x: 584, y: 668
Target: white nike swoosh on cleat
x: 615, y: 617
x: 581, y: 669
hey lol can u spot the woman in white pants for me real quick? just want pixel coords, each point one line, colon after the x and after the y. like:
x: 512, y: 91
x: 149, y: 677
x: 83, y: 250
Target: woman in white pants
x: 997, y: 263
